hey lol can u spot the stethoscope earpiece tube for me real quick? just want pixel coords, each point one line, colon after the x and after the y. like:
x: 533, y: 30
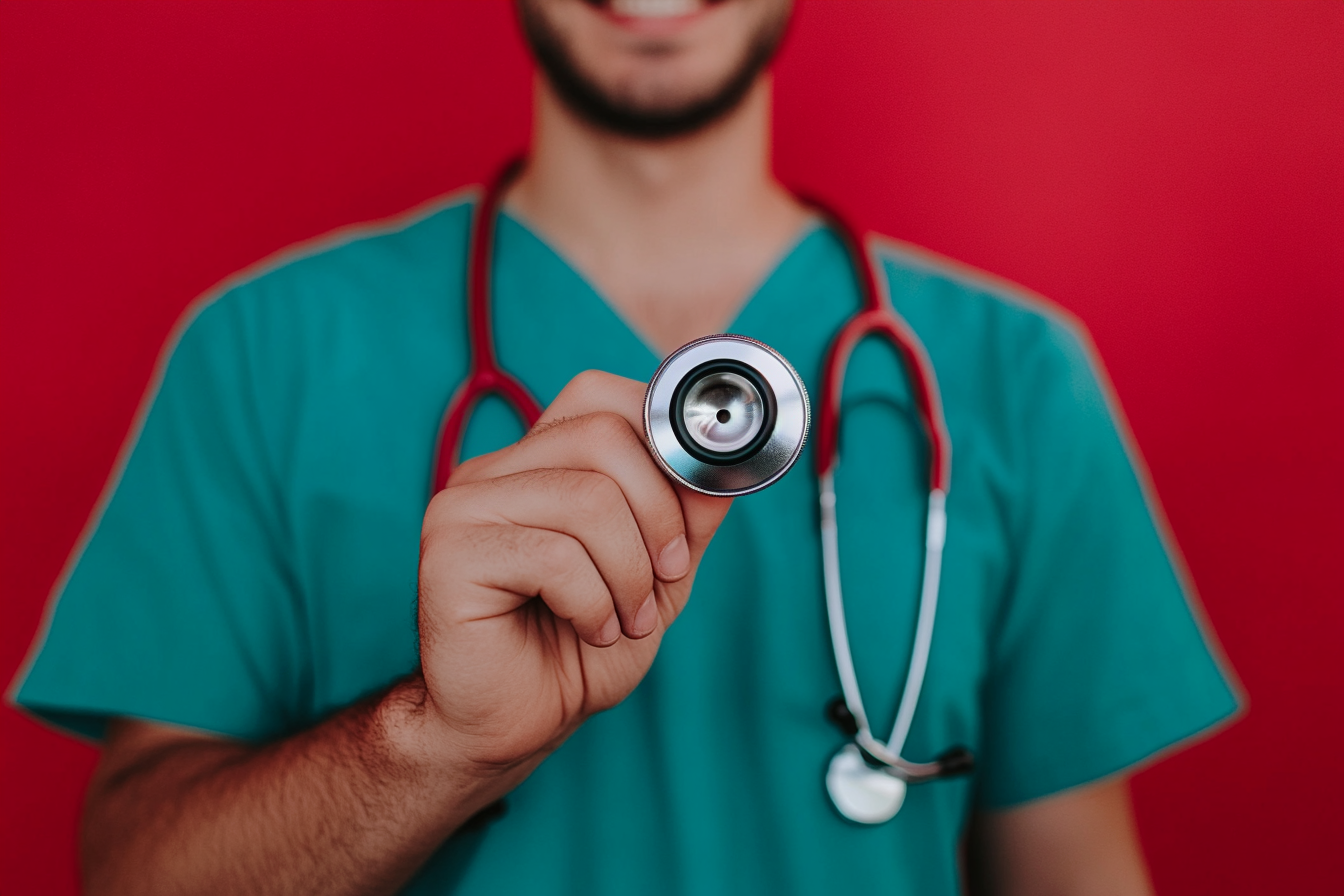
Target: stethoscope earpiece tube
x: 726, y: 415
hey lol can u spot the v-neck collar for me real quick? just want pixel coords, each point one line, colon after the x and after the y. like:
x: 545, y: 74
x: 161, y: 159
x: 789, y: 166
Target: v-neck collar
x: 759, y: 295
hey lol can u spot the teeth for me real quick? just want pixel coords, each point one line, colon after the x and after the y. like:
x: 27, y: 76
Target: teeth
x: 654, y: 9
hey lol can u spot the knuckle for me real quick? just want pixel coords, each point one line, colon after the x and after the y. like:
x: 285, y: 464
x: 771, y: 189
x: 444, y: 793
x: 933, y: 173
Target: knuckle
x: 588, y: 598
x: 587, y: 381
x: 557, y: 554
x: 439, y: 540
x: 451, y: 503
x: 608, y: 427
x: 453, y: 518
x: 437, y: 514
x: 438, y: 504
x: 466, y: 471
x: 595, y: 497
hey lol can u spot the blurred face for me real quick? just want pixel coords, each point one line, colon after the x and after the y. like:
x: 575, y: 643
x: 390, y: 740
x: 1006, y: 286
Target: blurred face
x: 652, y: 69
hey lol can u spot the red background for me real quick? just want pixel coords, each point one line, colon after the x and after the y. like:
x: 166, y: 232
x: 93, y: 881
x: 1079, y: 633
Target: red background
x: 1171, y: 172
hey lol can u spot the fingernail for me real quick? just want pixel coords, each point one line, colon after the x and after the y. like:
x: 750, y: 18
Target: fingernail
x: 647, y: 617
x: 675, y: 559
x: 611, y: 630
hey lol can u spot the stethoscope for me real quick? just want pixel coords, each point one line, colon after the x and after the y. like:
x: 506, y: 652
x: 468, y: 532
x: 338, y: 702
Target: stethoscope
x: 727, y: 415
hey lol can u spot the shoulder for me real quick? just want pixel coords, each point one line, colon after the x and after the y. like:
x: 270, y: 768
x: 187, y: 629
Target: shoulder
x: 957, y: 294
x: 983, y: 326
x: 362, y: 266
x: 364, y: 303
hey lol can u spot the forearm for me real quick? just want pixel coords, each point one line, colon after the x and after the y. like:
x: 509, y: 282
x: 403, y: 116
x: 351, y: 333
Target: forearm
x: 1081, y: 841
x: 354, y: 805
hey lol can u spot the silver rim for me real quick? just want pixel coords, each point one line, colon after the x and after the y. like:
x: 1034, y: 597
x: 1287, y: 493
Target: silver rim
x: 726, y: 411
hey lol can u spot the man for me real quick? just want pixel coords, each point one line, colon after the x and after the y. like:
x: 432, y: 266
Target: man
x: 239, y: 628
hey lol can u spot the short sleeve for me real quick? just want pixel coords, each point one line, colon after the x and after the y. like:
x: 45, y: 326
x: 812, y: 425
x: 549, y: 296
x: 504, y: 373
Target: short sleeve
x: 1098, y: 659
x: 179, y: 608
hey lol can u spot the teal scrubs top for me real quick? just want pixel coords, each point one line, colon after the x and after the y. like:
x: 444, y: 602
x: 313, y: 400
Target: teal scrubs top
x: 253, y: 566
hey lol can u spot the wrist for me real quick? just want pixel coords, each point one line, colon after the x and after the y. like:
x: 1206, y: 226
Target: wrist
x: 426, y: 751
x: 420, y: 742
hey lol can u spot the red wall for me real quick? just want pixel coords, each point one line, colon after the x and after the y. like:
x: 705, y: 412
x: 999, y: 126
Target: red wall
x: 1172, y: 172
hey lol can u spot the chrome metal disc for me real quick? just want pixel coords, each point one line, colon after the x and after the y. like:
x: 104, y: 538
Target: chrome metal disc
x: 726, y: 415
x: 723, y: 412
x: 862, y: 793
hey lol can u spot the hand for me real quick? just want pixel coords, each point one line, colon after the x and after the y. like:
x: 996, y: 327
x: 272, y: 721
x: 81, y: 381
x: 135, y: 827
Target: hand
x: 549, y: 572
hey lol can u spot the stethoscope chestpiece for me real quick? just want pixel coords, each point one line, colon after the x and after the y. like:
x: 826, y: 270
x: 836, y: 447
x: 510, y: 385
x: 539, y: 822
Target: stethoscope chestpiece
x: 726, y: 415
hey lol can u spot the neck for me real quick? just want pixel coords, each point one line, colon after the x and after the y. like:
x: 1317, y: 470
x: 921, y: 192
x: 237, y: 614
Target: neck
x: 674, y: 234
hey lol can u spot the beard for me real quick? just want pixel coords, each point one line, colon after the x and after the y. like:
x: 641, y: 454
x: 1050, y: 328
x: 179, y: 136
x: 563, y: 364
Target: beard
x: 618, y: 112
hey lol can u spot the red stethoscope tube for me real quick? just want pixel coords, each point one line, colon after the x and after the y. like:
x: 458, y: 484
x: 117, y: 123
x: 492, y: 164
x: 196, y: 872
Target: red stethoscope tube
x: 484, y: 375
x: 877, y: 318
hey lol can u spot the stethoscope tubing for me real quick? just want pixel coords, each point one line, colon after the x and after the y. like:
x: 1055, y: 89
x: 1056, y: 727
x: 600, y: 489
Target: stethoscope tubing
x: 485, y: 376
x: 888, y: 753
x: 877, y: 318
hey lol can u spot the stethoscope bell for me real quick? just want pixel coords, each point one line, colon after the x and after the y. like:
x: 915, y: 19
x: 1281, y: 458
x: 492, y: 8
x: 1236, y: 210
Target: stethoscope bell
x: 726, y: 415
x: 860, y: 792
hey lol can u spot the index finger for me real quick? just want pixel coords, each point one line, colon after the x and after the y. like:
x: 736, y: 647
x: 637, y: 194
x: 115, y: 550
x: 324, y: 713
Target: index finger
x: 602, y: 442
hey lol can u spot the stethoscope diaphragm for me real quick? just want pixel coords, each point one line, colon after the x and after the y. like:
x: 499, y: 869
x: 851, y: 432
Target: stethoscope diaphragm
x: 726, y: 415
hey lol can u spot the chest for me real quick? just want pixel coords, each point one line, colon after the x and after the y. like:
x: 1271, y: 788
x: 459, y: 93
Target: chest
x: 755, y: 632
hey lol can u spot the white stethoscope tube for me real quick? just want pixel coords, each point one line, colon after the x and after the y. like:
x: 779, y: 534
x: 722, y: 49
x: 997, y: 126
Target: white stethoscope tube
x: 888, y: 753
